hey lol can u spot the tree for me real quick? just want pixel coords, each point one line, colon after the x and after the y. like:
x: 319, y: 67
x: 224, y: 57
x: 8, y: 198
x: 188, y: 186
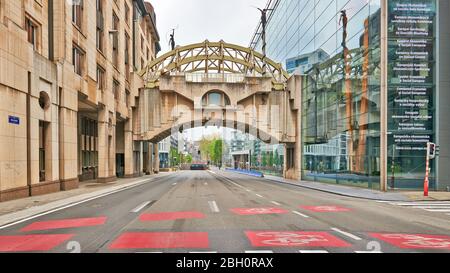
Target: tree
x: 276, y: 159
x: 174, y: 157
x: 188, y: 159
x: 271, y: 160
x: 264, y: 160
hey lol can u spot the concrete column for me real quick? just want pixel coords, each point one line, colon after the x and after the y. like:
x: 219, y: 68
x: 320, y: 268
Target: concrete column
x: 149, y: 160
x: 106, y: 149
x: 68, y: 149
x: 128, y: 137
x: 156, y: 158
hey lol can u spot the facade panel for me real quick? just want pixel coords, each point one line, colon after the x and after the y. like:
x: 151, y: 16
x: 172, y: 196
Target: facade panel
x: 342, y: 106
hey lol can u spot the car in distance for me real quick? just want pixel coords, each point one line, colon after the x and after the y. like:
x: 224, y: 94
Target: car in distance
x: 199, y: 167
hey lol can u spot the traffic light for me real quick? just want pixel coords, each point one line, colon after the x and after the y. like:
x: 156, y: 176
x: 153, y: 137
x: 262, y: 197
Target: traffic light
x: 432, y: 150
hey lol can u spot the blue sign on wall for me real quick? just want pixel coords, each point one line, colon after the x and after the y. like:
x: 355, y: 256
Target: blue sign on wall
x: 14, y: 120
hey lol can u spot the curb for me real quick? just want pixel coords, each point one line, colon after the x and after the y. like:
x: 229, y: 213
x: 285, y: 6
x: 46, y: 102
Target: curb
x: 17, y: 217
x: 337, y: 193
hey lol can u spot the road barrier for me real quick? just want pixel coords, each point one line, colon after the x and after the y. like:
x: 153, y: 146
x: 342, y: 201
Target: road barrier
x: 246, y: 172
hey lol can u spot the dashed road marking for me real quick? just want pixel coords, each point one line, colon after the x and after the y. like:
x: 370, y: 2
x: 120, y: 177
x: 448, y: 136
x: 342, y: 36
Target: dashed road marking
x: 213, y: 206
x: 312, y: 251
x: 259, y: 195
x: 438, y: 210
x: 368, y: 252
x: 354, y: 237
x: 174, y: 184
x: 275, y: 203
x: 202, y: 252
x: 301, y: 214
x: 258, y: 251
x: 141, y: 206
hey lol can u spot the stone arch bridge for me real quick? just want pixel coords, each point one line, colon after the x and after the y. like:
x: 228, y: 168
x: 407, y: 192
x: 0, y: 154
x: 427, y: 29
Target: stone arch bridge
x: 221, y: 84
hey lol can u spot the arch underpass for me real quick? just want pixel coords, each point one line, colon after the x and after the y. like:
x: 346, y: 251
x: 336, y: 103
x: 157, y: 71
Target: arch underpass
x: 220, y: 84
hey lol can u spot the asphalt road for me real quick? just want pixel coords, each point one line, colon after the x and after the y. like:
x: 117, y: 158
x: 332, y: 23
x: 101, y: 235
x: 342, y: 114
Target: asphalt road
x: 216, y: 211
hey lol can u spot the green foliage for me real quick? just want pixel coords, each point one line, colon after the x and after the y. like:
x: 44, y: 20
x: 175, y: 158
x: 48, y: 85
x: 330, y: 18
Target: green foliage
x: 212, y: 150
x: 174, y: 157
x: 188, y: 159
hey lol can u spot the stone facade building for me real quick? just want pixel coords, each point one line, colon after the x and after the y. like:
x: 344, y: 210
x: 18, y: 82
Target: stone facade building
x: 69, y: 88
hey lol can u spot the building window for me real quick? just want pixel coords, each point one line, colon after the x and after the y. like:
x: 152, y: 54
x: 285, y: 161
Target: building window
x: 115, y: 37
x: 127, y: 99
x: 116, y: 89
x: 77, y: 13
x: 78, y: 60
x: 89, y: 149
x: 215, y: 99
x: 100, y: 25
x: 127, y: 56
x: 42, y: 139
x: 32, y: 32
x: 100, y: 78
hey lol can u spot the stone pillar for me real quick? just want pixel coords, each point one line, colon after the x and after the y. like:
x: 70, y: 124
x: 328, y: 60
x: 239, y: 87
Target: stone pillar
x: 106, y: 149
x: 156, y: 158
x: 129, y: 160
x: 149, y: 160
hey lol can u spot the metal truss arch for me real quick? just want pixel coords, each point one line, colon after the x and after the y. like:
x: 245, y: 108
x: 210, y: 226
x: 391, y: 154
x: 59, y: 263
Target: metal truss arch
x: 214, y: 57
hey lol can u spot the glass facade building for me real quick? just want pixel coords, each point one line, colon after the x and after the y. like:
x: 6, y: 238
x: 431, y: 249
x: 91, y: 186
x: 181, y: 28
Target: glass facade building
x: 351, y: 97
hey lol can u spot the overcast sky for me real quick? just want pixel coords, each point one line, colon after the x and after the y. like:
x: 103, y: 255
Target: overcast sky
x: 233, y: 21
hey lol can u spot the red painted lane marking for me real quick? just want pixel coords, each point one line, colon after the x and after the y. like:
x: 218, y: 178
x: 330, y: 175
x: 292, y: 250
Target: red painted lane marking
x: 294, y: 239
x: 165, y: 216
x: 414, y: 241
x: 325, y: 208
x: 161, y: 240
x: 67, y: 223
x: 32, y: 242
x: 257, y: 211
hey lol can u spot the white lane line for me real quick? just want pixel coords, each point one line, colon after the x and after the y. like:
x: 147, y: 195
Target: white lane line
x: 213, y: 206
x: 354, y: 237
x: 259, y: 195
x: 431, y: 207
x: 206, y: 183
x: 275, y: 203
x: 301, y: 214
x: 211, y: 172
x: 438, y: 210
x: 149, y: 252
x: 248, y: 190
x: 312, y: 251
x: 174, y: 184
x: 201, y: 252
x: 368, y: 252
x: 237, y: 185
x: 140, y: 207
x: 421, y: 204
x: 258, y: 251
x: 138, y: 183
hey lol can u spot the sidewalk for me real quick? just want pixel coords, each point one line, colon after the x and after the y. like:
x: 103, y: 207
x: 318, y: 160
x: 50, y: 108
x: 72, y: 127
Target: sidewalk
x: 16, y: 210
x: 399, y: 196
